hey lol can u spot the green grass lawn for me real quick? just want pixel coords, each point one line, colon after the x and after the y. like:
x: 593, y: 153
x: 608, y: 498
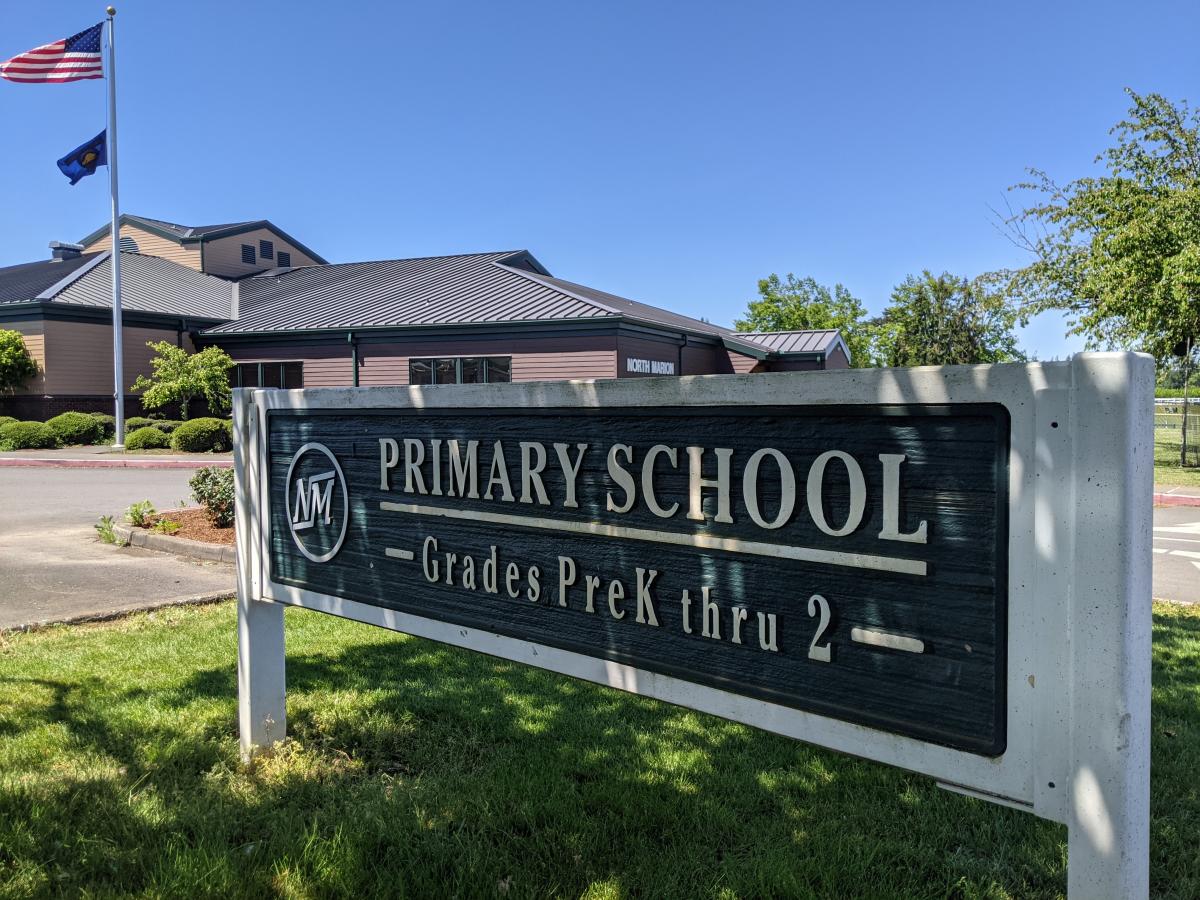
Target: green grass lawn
x: 1167, y: 470
x: 418, y: 770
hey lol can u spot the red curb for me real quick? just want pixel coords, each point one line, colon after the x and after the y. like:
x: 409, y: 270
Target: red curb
x: 34, y: 462
x: 1175, y: 500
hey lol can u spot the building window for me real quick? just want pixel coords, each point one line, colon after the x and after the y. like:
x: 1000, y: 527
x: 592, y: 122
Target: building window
x: 248, y: 254
x: 266, y: 249
x: 284, y: 259
x: 270, y: 374
x: 460, y: 370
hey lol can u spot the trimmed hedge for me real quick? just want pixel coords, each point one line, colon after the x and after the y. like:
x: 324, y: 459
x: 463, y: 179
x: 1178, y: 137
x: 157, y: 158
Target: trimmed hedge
x: 27, y: 436
x: 147, y: 438
x: 201, y: 436
x: 166, y: 426
x: 108, y: 425
x: 76, y: 428
x: 4, y: 420
x: 137, y: 422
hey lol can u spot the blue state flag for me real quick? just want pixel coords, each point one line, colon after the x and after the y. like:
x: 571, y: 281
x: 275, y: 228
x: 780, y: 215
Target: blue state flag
x: 84, y: 159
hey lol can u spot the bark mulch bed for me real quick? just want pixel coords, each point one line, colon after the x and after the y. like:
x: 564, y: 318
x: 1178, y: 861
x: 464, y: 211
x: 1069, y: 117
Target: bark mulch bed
x: 194, y: 525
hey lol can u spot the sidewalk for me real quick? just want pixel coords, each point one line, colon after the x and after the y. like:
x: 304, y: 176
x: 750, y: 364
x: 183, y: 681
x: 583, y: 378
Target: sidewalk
x: 104, y: 457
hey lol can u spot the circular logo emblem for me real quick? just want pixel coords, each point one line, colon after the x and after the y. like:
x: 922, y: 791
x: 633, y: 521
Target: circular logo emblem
x: 318, y: 503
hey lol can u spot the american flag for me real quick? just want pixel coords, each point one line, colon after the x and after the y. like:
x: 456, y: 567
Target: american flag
x: 72, y: 59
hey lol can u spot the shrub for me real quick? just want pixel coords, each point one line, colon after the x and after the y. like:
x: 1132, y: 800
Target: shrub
x: 104, y: 528
x: 147, y: 438
x: 166, y: 426
x: 27, y: 436
x: 139, y: 513
x: 108, y: 425
x: 201, y: 436
x: 76, y: 428
x: 212, y: 486
x: 16, y: 364
x: 4, y: 420
x: 137, y: 422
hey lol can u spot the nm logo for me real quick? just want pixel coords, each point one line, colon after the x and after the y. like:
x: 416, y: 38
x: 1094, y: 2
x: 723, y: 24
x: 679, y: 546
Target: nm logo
x: 318, y: 503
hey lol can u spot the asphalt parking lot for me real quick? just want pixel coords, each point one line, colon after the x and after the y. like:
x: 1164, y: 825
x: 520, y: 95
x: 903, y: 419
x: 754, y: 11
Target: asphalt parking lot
x: 52, y: 567
x: 1177, y: 553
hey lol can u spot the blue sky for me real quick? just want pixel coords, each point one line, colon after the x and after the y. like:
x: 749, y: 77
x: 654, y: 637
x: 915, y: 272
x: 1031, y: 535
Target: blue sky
x: 669, y: 152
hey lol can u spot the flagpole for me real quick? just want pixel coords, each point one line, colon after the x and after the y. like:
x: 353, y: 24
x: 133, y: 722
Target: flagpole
x: 118, y: 364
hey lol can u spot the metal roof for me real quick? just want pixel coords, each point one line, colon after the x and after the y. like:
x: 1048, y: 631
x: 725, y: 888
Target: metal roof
x: 793, y: 341
x: 199, y: 233
x: 150, y: 284
x: 187, y: 231
x: 438, y: 290
x: 24, y: 282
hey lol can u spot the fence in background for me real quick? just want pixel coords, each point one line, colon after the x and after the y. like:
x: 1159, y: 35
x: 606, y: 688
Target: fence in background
x: 1168, y: 431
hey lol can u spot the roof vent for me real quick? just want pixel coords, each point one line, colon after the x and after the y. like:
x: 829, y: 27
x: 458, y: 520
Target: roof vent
x: 62, y: 250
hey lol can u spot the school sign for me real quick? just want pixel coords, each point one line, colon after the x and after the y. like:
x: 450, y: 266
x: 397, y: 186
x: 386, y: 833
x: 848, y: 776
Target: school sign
x: 941, y: 569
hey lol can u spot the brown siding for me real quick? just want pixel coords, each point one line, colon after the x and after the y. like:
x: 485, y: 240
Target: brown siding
x: 35, y: 342
x: 704, y: 360
x: 794, y: 365
x: 153, y: 245
x: 533, y: 359
x: 325, y: 365
x: 741, y: 363
x: 837, y: 358
x: 223, y: 256
x: 642, y: 348
x: 79, y: 355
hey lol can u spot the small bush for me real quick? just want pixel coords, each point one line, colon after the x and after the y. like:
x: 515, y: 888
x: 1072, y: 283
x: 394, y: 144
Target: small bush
x: 27, y: 436
x: 4, y: 420
x: 147, y: 438
x: 104, y: 528
x: 201, y: 436
x: 139, y: 513
x: 108, y: 425
x: 76, y: 428
x: 165, y: 526
x: 138, y: 422
x: 212, y: 486
x: 166, y: 426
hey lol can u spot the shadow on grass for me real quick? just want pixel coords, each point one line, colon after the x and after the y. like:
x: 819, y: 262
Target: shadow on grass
x: 421, y: 770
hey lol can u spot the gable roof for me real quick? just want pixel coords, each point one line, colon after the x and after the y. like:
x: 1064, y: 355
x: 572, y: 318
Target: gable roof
x: 191, y: 234
x: 24, y: 282
x: 149, y: 284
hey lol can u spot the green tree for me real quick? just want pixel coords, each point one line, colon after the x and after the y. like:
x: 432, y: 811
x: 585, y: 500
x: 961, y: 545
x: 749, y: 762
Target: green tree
x: 1121, y: 252
x: 799, y: 304
x: 936, y: 320
x: 16, y: 365
x: 180, y: 377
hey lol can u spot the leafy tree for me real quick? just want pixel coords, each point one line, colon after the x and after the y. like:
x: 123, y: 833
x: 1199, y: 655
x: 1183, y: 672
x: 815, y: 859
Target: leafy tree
x: 946, y: 320
x: 16, y: 365
x: 1121, y: 252
x: 802, y: 304
x: 180, y: 377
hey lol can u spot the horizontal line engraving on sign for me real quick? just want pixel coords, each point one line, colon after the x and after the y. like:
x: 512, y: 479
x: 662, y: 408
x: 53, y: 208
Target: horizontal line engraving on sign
x: 707, y: 542
x: 398, y: 554
x: 886, y: 639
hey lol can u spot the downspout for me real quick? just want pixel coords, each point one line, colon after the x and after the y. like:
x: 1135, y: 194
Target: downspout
x: 353, y: 355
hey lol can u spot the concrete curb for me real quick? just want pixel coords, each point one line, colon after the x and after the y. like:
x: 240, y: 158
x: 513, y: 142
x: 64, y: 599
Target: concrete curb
x: 109, y: 615
x: 43, y: 462
x: 142, y: 537
x: 1175, y: 500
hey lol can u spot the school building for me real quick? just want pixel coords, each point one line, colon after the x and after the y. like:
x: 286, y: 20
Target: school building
x: 289, y: 319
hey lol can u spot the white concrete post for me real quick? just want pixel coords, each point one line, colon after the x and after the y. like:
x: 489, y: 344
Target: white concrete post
x: 262, y: 687
x: 1108, y: 818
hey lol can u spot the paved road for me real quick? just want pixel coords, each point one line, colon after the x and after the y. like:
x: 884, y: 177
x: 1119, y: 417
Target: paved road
x: 1177, y: 553
x: 52, y: 566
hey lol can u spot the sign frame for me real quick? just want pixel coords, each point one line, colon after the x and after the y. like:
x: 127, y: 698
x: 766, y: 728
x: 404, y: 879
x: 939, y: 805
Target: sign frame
x: 1080, y: 480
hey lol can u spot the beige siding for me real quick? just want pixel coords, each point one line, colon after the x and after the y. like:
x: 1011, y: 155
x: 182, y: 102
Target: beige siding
x: 153, y: 245
x: 533, y: 359
x: 324, y: 366
x: 79, y: 355
x: 35, y: 343
x: 223, y: 256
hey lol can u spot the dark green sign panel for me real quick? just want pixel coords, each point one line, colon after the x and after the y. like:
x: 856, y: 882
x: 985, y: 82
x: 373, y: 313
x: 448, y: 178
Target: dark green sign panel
x: 846, y: 561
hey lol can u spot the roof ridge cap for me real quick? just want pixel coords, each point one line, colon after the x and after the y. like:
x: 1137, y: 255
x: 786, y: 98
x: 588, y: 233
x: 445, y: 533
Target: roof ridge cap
x: 539, y: 278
